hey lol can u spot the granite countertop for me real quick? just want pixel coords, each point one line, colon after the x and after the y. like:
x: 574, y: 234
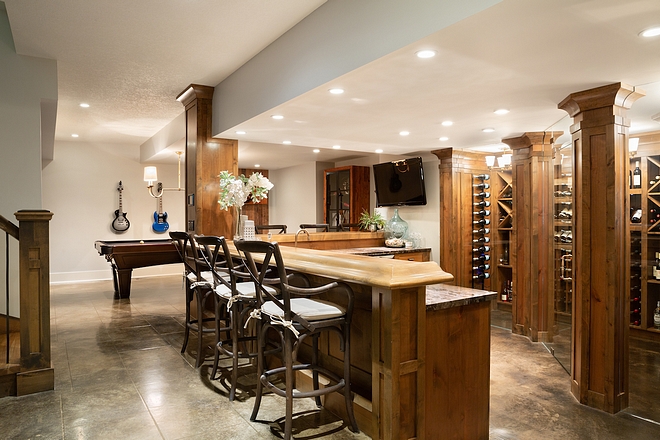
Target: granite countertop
x: 380, y: 250
x: 445, y: 296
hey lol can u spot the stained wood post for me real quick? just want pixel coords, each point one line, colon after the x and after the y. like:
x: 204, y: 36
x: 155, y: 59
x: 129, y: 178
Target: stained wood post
x: 205, y: 158
x: 36, y: 373
x: 532, y: 236
x: 456, y: 169
x: 601, y: 247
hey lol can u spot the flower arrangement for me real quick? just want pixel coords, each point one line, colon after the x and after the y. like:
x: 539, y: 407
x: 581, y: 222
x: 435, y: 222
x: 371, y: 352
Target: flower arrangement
x: 235, y: 191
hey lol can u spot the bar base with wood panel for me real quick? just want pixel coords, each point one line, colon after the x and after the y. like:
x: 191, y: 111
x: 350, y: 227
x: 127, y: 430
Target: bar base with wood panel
x: 420, y: 364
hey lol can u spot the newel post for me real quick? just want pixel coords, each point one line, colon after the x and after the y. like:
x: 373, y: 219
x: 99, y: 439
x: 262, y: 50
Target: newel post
x: 601, y: 244
x: 36, y: 373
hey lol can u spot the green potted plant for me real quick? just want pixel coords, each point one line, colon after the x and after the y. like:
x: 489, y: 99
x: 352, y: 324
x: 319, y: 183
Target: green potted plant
x: 371, y: 222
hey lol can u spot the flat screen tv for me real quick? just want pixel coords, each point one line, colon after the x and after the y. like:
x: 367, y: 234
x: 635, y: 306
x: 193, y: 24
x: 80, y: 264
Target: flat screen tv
x: 400, y: 183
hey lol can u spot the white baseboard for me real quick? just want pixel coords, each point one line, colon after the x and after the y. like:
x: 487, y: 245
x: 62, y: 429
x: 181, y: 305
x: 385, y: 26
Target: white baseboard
x: 100, y: 275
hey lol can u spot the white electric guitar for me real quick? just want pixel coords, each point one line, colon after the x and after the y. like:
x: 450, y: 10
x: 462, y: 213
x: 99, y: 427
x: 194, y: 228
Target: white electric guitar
x: 120, y: 223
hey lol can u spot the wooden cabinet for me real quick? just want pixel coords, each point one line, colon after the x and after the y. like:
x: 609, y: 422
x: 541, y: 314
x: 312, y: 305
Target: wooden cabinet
x: 346, y: 195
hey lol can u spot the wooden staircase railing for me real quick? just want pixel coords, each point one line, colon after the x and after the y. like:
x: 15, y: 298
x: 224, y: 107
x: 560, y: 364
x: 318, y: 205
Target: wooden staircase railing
x: 35, y: 373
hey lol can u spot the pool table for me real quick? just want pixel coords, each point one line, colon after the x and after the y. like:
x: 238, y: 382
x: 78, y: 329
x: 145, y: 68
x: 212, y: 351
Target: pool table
x: 125, y: 255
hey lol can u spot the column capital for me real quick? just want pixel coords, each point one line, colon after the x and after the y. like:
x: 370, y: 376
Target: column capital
x: 194, y: 92
x: 612, y: 95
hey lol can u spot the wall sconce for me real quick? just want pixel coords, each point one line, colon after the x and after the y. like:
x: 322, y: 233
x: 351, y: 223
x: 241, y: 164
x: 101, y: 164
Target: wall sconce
x: 151, y: 176
x: 633, y: 145
x: 503, y: 161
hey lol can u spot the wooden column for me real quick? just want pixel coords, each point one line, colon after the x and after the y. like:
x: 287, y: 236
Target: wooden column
x: 601, y: 250
x: 36, y: 373
x: 205, y: 158
x: 532, y: 241
x: 456, y: 170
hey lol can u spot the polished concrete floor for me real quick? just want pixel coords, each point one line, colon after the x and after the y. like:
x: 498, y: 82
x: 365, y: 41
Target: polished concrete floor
x: 119, y: 374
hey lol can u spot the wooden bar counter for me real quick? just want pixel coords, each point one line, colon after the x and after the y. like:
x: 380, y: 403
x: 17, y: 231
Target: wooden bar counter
x: 420, y: 362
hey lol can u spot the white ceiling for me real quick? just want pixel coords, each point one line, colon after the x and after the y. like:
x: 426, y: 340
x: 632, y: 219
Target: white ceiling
x: 523, y: 55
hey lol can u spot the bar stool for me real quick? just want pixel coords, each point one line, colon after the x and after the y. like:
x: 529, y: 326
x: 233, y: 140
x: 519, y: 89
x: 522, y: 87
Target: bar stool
x: 296, y: 317
x: 324, y: 227
x: 233, y: 298
x: 263, y: 229
x: 198, y: 280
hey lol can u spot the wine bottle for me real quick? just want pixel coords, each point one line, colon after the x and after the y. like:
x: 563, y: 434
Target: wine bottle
x: 481, y: 240
x: 481, y: 231
x: 482, y: 176
x: 505, y: 287
x: 481, y: 267
x: 482, y: 194
x: 482, y: 204
x: 656, y: 316
x: 637, y: 216
x: 481, y: 258
x: 510, y: 291
x: 482, y: 222
x: 637, y: 176
x: 481, y: 249
x: 505, y: 256
x: 481, y: 186
x: 481, y: 276
x: 481, y: 212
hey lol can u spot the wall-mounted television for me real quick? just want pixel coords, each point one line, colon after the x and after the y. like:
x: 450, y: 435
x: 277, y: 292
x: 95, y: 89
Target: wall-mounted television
x: 400, y: 183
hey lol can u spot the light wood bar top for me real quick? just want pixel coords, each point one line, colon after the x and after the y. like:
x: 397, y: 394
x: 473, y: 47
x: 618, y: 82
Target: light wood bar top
x: 388, y: 273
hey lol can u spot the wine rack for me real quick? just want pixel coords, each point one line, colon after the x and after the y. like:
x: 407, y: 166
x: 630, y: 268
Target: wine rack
x: 504, y: 227
x: 644, y: 225
x: 481, y: 227
x: 563, y: 237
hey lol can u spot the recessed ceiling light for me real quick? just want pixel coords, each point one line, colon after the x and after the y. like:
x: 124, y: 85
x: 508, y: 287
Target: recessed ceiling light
x: 316, y: 150
x: 74, y: 135
x: 443, y: 138
x: 336, y: 147
x: 404, y: 133
x: 277, y: 117
x: 426, y: 53
x: 488, y: 130
x: 650, y: 32
x: 286, y: 142
x: 447, y: 123
x: 84, y: 105
x: 379, y: 151
x: 256, y: 165
x: 336, y: 91
x: 240, y: 132
x: 501, y: 111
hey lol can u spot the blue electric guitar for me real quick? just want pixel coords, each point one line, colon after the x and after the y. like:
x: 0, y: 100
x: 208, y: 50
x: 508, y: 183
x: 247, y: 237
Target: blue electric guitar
x: 120, y: 223
x: 160, y: 224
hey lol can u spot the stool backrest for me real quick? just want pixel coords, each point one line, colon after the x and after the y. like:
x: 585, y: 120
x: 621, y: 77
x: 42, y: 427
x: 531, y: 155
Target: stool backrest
x: 262, y: 258
x: 182, y: 242
x: 214, y: 253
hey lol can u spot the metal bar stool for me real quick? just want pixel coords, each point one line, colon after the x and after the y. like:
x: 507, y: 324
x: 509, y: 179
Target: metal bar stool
x: 296, y: 316
x: 198, y: 281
